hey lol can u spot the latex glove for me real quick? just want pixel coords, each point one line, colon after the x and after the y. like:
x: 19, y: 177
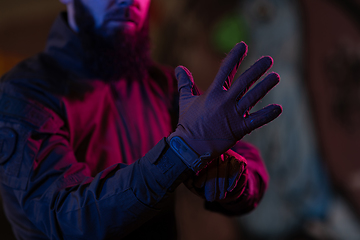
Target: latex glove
x: 223, y: 180
x: 211, y: 123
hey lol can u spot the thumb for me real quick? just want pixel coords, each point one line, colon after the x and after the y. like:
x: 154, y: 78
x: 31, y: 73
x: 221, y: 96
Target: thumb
x: 185, y: 82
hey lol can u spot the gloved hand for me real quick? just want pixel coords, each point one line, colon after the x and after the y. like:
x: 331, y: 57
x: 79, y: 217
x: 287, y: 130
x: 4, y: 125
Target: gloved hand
x: 211, y: 123
x: 223, y: 180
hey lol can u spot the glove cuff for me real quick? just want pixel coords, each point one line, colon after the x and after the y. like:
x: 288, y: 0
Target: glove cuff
x: 187, y: 155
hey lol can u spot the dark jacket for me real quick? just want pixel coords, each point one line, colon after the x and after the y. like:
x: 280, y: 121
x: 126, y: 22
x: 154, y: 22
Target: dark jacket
x: 85, y: 159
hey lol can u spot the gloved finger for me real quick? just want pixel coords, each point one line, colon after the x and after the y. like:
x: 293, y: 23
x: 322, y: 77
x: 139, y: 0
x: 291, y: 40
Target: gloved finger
x: 235, y: 170
x: 242, y: 181
x: 211, y: 190
x: 196, y: 91
x: 250, y: 76
x: 185, y: 82
x: 229, y: 67
x: 222, y: 176
x: 247, y: 102
x: 240, y: 186
x: 200, y: 179
x: 263, y: 116
x: 231, y: 75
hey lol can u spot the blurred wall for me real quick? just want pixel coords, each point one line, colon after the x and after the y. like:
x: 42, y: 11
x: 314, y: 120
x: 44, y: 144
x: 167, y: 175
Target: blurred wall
x: 24, y: 25
x: 333, y: 80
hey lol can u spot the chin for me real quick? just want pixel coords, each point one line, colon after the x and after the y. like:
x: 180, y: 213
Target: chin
x: 123, y: 27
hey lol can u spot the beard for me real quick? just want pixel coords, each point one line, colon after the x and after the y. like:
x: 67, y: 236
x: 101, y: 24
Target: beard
x: 112, y: 56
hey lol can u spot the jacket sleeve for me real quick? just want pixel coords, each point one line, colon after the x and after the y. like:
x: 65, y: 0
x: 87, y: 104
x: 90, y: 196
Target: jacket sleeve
x: 58, y: 194
x: 255, y: 187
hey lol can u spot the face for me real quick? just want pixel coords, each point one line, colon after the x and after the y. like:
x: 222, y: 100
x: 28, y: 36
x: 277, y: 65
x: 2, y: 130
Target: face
x: 110, y: 16
x: 114, y: 36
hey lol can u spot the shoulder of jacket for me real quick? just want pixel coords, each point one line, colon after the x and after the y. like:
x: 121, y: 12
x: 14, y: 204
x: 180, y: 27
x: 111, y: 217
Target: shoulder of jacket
x: 34, y: 81
x: 31, y: 113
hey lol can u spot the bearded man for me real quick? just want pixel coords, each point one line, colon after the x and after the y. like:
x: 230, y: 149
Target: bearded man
x: 96, y: 137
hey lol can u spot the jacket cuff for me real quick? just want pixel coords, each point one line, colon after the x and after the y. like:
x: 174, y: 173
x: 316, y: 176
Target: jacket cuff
x: 166, y: 161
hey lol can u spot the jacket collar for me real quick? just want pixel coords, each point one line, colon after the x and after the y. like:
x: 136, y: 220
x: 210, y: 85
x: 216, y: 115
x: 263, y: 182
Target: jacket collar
x: 65, y: 47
